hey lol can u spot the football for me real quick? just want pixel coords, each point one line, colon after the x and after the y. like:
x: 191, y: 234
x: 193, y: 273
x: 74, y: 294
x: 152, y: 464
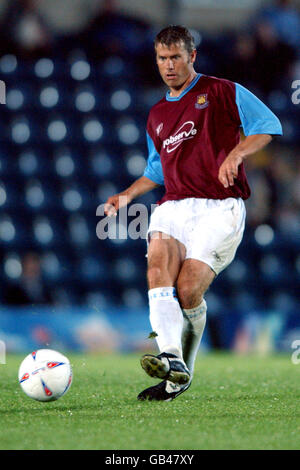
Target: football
x: 45, y: 375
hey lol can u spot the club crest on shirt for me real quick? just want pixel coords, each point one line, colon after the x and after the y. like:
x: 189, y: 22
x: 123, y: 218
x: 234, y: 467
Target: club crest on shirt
x: 202, y: 101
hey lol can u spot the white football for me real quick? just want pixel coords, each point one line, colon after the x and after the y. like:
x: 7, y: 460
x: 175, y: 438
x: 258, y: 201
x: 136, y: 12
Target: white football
x: 45, y: 375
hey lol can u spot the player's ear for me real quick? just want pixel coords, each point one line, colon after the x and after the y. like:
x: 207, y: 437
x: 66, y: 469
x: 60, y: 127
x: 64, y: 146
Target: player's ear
x: 193, y: 56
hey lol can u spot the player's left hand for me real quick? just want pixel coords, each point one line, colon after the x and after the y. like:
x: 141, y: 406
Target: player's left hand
x: 229, y: 169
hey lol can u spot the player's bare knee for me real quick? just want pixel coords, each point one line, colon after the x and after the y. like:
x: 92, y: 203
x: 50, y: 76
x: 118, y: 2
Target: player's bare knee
x: 190, y: 294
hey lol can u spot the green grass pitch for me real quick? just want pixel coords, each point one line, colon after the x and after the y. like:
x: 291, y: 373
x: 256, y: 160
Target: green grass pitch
x: 235, y: 402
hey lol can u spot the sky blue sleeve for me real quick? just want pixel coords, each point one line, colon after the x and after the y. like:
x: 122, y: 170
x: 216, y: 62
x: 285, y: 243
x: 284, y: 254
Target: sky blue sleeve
x: 256, y: 117
x: 153, y: 170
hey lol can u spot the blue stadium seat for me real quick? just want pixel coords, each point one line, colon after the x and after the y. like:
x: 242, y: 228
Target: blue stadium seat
x: 23, y: 129
x: 92, y: 269
x: 95, y: 129
x: 129, y: 131
x: 33, y: 161
x: 65, y: 164
x: 80, y: 69
x: 19, y: 97
x: 123, y: 98
x: 10, y: 66
x: 60, y: 129
x: 49, y: 68
x: 11, y: 266
x: 237, y: 272
x: 102, y: 164
x: 39, y: 195
x: 51, y: 96
x: 114, y: 67
x: 9, y: 193
x: 13, y: 233
x: 284, y: 301
x: 136, y: 161
x: 273, y: 270
x: 89, y: 98
x: 97, y: 299
x: 79, y: 230
x: 47, y: 234
x: 244, y: 301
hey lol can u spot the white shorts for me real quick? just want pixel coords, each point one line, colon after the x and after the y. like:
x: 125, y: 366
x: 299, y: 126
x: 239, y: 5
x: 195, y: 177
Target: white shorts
x: 210, y: 229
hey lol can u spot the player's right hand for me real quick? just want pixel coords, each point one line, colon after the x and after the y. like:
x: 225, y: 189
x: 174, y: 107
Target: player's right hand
x: 114, y: 203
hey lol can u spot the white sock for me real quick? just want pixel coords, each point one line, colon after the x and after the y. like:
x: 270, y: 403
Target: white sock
x: 193, y: 327
x: 166, y: 319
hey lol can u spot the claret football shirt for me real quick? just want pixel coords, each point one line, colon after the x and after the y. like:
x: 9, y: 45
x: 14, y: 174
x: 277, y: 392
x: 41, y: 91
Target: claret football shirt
x: 191, y: 135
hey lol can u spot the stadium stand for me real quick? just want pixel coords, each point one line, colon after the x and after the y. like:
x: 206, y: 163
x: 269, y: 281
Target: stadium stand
x: 73, y: 132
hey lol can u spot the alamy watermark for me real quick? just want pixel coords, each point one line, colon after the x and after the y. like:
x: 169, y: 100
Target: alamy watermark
x: 2, y: 352
x: 2, y: 92
x: 134, y: 229
x: 129, y: 221
x: 2, y: 101
x: 296, y: 354
x: 296, y: 94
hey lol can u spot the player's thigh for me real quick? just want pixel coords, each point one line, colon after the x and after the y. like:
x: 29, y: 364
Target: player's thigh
x: 165, y: 257
x: 193, y: 281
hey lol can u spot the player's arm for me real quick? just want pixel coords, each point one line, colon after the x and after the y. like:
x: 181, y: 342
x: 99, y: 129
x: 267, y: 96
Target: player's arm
x: 141, y: 186
x: 152, y: 178
x: 230, y: 167
x: 259, y: 123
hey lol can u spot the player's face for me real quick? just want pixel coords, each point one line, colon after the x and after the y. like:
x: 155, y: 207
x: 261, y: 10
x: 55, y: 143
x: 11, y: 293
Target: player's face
x: 175, y: 64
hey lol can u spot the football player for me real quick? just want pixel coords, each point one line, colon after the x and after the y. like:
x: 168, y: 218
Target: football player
x: 196, y: 152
